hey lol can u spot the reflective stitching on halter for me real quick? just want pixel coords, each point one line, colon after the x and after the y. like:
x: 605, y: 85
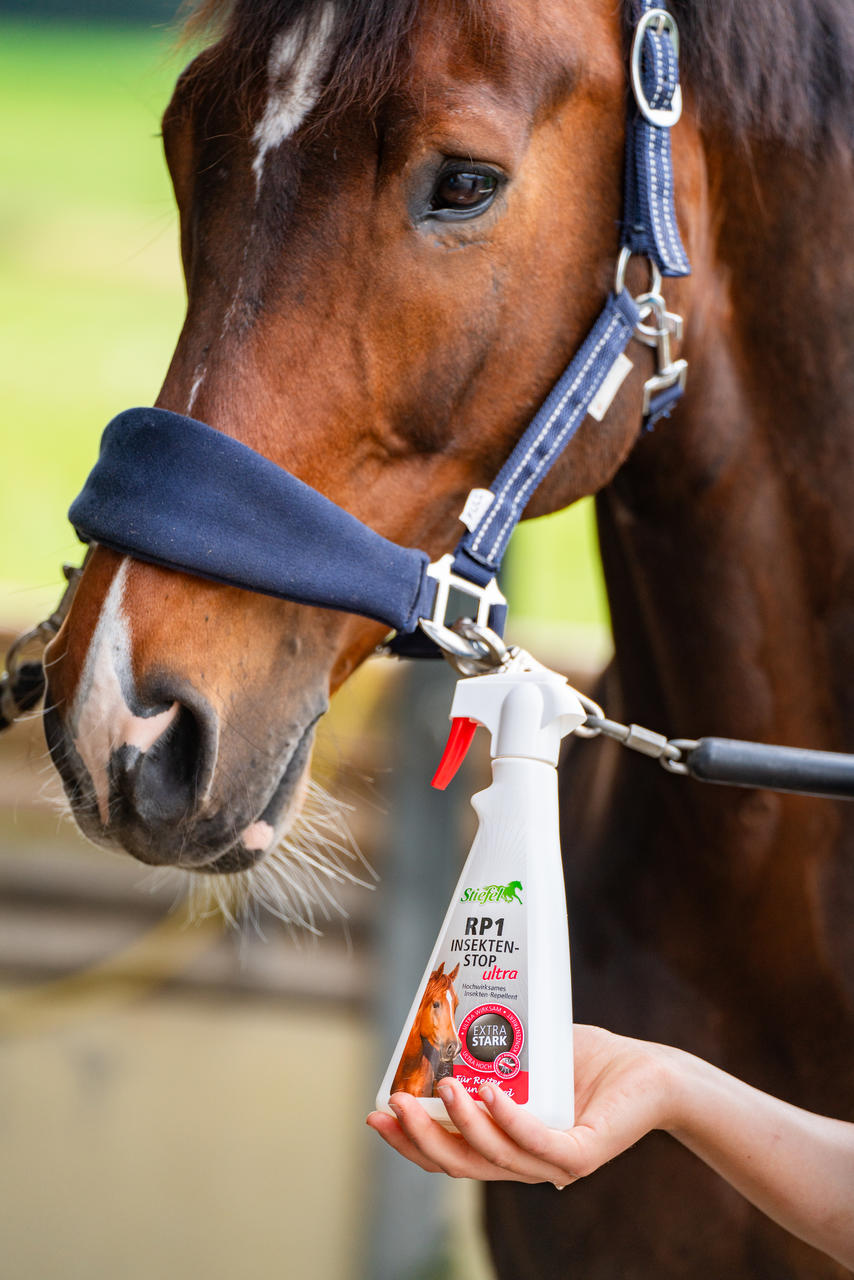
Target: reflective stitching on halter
x: 666, y: 236
x: 659, y: 72
x: 652, y: 136
x: 615, y: 320
x: 674, y: 244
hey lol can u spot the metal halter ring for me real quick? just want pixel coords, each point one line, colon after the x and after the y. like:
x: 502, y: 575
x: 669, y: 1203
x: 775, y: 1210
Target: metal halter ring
x: 654, y: 290
x: 664, y: 23
x: 471, y: 649
x: 652, y: 304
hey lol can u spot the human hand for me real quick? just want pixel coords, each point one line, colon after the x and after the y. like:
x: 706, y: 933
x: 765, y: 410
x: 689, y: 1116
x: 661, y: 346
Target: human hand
x: 623, y: 1089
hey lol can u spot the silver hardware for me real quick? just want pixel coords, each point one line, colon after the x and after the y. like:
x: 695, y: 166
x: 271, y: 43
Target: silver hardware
x: 448, y: 638
x: 663, y: 23
x: 669, y: 321
x: 620, y: 276
x: 446, y: 580
x: 668, y: 324
x: 471, y: 649
x: 684, y: 746
x: 669, y: 752
x: 35, y: 641
x: 676, y: 372
x: 668, y: 371
x: 594, y: 714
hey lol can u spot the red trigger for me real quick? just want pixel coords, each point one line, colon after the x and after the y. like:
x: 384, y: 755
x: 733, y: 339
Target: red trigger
x: 459, y: 741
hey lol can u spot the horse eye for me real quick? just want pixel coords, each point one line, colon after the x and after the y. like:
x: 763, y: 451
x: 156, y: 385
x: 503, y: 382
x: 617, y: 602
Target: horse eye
x: 436, y: 1004
x: 463, y: 193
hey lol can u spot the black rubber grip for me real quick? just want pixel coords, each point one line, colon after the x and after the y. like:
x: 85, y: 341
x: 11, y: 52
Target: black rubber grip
x: 754, y: 764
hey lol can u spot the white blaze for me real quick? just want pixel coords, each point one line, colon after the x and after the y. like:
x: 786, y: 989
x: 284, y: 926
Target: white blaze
x: 294, y: 71
x: 101, y: 720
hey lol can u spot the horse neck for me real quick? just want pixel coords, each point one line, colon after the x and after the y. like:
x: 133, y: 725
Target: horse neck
x: 728, y: 539
x: 728, y: 548
x: 416, y: 1039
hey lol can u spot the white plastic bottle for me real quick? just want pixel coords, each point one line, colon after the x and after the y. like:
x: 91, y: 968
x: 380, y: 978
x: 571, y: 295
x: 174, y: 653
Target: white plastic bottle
x: 495, y: 1002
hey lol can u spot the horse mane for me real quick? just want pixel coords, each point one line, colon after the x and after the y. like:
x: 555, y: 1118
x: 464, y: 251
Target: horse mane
x: 779, y: 70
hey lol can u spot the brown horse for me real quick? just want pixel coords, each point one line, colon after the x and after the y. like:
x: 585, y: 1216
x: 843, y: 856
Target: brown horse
x: 432, y: 1043
x: 398, y: 220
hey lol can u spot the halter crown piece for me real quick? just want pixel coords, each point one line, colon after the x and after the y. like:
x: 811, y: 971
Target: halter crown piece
x: 176, y: 492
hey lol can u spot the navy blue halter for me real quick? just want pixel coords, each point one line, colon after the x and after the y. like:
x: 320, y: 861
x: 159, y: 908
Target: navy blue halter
x: 176, y: 492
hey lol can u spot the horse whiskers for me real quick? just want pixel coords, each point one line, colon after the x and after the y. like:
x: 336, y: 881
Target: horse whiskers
x: 293, y: 882
x: 55, y: 800
x: 60, y: 657
x: 23, y: 716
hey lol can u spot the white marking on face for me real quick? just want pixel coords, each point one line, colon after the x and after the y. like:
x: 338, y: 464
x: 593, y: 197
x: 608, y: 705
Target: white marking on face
x: 294, y: 71
x: 101, y: 721
x: 258, y: 836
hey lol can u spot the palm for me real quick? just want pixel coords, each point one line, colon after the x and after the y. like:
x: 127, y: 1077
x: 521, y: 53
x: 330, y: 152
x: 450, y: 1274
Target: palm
x: 619, y: 1092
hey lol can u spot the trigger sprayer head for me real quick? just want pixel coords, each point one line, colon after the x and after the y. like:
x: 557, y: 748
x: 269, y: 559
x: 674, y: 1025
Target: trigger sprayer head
x: 526, y: 708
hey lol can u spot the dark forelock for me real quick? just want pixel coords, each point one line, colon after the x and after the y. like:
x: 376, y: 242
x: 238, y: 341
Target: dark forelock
x: 781, y: 69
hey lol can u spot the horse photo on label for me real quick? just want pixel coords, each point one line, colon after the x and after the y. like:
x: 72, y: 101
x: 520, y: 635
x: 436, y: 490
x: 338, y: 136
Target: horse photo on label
x: 433, y: 1042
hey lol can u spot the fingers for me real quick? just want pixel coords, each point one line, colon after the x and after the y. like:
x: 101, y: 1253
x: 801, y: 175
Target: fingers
x: 568, y: 1155
x: 502, y: 1142
x: 437, y: 1146
x: 528, y: 1159
x: 485, y: 1148
x: 623, y: 1089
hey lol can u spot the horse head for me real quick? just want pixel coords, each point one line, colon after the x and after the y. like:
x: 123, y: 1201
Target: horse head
x: 397, y: 224
x: 436, y: 1025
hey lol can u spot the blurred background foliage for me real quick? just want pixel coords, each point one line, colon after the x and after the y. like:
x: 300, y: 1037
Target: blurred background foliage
x: 91, y: 284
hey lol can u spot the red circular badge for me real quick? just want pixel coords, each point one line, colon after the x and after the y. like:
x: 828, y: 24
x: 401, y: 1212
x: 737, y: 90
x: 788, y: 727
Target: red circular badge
x: 489, y: 1034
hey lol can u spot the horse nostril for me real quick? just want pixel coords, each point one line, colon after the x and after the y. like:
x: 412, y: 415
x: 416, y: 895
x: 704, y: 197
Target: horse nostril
x: 161, y: 784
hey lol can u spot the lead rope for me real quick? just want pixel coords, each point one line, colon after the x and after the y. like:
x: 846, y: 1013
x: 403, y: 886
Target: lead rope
x: 22, y: 684
x: 475, y: 650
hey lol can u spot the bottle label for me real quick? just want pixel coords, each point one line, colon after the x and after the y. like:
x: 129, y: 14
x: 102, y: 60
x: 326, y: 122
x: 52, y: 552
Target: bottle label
x: 472, y: 1016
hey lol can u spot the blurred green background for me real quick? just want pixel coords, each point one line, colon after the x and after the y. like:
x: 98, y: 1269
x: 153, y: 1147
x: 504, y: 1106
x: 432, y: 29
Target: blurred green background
x: 178, y: 1101
x: 88, y: 259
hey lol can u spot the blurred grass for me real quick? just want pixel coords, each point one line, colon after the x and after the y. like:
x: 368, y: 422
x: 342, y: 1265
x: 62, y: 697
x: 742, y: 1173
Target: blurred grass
x: 93, y: 302
x: 91, y: 286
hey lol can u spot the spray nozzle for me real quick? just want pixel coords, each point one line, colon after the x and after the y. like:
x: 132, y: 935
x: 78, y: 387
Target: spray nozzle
x: 459, y: 740
x: 526, y: 707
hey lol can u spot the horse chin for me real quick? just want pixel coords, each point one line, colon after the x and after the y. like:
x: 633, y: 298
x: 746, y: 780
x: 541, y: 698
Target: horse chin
x: 262, y: 836
x: 219, y: 842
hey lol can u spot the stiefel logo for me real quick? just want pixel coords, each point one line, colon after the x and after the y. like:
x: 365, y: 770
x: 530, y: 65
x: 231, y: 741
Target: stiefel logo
x: 494, y: 893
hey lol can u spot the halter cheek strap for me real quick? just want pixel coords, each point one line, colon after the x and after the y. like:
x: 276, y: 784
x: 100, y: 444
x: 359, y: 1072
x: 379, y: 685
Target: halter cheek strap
x: 176, y: 492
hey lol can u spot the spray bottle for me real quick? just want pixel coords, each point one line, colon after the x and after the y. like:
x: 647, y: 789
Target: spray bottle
x: 495, y: 1002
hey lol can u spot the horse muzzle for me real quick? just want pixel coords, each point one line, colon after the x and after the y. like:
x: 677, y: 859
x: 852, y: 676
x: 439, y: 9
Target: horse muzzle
x: 450, y: 1050
x: 150, y: 784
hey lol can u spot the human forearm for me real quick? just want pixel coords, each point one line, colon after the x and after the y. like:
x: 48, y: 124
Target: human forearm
x: 796, y: 1167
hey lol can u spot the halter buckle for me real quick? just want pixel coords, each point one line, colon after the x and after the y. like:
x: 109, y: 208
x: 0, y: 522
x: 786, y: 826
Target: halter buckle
x: 486, y: 596
x: 669, y: 372
x: 469, y: 644
x: 663, y: 23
